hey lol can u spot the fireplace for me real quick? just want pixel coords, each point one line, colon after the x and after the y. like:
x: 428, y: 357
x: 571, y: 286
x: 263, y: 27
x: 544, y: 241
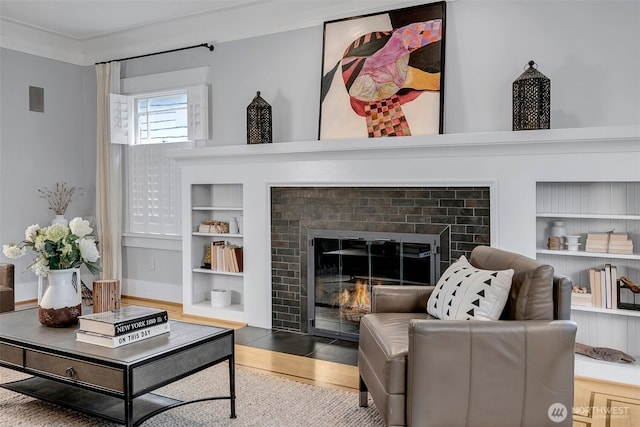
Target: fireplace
x: 299, y: 211
x: 344, y: 265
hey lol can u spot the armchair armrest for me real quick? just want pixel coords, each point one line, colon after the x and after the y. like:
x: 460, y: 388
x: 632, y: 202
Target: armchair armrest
x: 400, y: 299
x: 498, y: 373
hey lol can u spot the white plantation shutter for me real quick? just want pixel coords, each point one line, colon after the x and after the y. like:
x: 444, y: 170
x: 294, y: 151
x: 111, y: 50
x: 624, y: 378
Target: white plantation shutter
x: 154, y: 190
x: 121, y: 119
x: 198, y: 111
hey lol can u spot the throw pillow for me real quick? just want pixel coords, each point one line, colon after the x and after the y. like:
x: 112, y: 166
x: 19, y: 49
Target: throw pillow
x: 465, y: 292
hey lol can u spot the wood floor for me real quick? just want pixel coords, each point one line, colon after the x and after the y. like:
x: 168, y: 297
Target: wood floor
x: 597, y: 403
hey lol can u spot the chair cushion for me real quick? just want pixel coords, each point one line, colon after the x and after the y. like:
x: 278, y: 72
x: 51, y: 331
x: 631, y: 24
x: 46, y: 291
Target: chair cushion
x: 384, y: 338
x: 465, y: 292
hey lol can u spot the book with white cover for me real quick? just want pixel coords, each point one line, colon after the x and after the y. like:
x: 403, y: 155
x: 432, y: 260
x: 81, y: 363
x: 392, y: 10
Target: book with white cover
x: 123, y: 320
x: 120, y: 340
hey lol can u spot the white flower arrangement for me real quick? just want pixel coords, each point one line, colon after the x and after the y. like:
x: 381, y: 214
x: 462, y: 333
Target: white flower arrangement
x: 58, y: 247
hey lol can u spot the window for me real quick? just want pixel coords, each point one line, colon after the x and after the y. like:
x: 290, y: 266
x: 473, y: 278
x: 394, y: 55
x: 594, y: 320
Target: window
x: 149, y: 124
x: 162, y: 118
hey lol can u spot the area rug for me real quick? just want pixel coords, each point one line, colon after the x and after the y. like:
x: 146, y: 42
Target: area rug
x: 261, y: 400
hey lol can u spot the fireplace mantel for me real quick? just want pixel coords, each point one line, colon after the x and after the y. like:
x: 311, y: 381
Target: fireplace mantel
x: 510, y: 164
x: 574, y: 140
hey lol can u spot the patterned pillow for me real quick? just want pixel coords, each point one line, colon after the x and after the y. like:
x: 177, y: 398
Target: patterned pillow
x: 468, y: 293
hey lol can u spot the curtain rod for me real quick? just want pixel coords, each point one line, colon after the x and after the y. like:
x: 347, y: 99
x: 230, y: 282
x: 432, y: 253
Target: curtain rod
x: 207, y: 45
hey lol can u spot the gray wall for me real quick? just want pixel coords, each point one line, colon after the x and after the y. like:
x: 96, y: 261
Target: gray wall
x: 39, y: 149
x: 589, y: 50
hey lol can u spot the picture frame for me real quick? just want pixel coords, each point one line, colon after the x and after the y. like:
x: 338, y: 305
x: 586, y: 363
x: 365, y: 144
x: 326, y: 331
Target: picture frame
x: 383, y: 74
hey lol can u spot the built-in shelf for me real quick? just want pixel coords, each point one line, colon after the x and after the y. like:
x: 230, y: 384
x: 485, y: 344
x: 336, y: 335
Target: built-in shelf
x: 223, y: 273
x: 218, y: 202
x: 226, y: 235
x: 593, y: 207
x: 216, y: 208
x: 588, y: 216
x: 610, y: 311
x: 588, y: 254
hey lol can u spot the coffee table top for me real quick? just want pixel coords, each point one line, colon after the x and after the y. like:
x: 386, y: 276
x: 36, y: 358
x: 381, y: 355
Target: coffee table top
x: 22, y: 327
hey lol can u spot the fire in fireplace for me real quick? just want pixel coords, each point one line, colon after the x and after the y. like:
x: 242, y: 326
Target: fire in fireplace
x: 343, y: 267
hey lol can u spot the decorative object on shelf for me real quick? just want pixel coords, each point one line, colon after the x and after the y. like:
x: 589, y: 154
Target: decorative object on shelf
x: 391, y: 59
x: 214, y: 226
x: 233, y: 226
x: 207, y: 258
x: 628, y: 294
x: 604, y: 353
x: 581, y: 296
x: 609, y: 242
x: 59, y: 199
x: 531, y: 100
x: 60, y: 251
x: 557, y: 236
x: 573, y: 242
x: 220, y: 298
x: 259, y: 121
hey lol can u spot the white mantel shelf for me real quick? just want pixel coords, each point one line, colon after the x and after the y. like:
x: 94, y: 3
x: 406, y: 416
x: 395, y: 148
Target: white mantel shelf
x: 551, y: 141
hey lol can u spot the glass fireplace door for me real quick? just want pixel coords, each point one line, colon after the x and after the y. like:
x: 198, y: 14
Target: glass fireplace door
x: 342, y: 285
x: 343, y: 269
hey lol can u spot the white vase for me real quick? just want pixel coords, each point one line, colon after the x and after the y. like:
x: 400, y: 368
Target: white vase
x: 61, y: 302
x: 233, y: 226
x: 59, y: 219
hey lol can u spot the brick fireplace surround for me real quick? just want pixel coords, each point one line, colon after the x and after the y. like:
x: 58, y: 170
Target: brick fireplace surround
x: 422, y: 210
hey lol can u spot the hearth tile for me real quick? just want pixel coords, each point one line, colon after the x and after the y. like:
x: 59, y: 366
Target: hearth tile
x: 291, y: 343
x: 338, y: 351
x: 248, y: 334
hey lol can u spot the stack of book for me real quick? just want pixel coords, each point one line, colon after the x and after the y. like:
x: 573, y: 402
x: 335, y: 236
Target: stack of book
x: 597, y: 242
x: 123, y: 326
x: 226, y: 257
x: 620, y: 244
x: 603, y: 283
x: 614, y: 243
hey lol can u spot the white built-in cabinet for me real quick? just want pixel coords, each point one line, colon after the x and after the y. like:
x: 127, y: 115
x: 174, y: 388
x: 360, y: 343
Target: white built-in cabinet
x: 220, y: 202
x: 593, y: 207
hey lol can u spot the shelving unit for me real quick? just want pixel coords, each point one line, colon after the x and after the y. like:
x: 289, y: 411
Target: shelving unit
x: 219, y: 202
x: 593, y: 207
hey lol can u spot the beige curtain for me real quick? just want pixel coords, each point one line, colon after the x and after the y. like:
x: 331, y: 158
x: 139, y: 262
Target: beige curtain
x: 108, y: 177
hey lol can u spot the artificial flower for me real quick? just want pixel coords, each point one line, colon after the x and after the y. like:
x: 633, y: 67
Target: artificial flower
x: 58, y: 247
x: 80, y: 227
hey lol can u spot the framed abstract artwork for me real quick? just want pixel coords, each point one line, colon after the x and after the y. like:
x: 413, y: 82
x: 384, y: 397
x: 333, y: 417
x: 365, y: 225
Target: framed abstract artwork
x: 383, y: 74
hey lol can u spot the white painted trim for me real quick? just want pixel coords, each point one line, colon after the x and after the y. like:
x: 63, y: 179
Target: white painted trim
x: 152, y: 241
x: 165, y: 81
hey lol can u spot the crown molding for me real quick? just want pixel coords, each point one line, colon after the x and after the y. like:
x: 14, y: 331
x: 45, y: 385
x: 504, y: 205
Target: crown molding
x: 256, y: 18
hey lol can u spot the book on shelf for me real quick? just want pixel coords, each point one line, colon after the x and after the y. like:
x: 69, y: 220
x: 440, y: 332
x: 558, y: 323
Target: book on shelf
x: 614, y: 243
x: 226, y: 257
x: 602, y: 282
x: 123, y: 320
x: 580, y: 299
x: 112, y: 341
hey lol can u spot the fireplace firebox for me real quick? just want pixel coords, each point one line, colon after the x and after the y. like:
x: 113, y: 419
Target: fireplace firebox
x: 343, y: 266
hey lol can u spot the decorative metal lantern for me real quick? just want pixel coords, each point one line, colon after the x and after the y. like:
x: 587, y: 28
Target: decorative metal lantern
x: 531, y: 100
x: 259, y: 121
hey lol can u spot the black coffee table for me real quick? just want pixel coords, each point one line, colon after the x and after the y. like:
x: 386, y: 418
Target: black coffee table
x: 114, y: 384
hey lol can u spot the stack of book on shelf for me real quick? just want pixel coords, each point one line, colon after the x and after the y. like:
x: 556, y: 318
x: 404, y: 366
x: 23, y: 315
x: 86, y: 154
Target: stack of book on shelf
x: 613, y: 243
x: 603, y: 283
x: 123, y: 326
x: 620, y: 244
x: 597, y: 242
x: 226, y: 257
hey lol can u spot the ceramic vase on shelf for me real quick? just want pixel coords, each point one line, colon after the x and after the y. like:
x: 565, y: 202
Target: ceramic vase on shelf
x: 233, y: 226
x: 558, y: 229
x: 60, y: 304
x: 60, y: 219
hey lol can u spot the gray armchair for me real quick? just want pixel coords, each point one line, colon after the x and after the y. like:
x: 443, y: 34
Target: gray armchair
x: 7, y: 295
x: 422, y: 371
